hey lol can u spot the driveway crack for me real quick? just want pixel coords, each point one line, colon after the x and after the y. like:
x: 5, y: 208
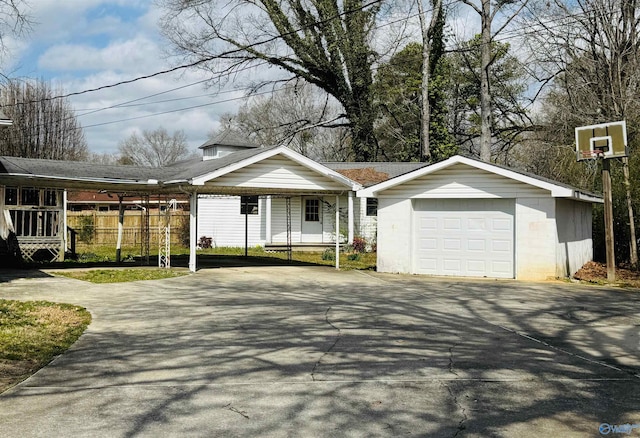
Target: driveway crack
x: 461, y: 409
x: 236, y: 410
x: 317, y: 364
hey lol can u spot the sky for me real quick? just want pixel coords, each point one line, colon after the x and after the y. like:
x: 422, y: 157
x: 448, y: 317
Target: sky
x: 83, y: 44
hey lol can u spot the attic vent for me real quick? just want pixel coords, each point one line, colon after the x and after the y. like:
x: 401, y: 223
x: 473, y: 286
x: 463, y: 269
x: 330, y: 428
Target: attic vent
x: 210, y: 153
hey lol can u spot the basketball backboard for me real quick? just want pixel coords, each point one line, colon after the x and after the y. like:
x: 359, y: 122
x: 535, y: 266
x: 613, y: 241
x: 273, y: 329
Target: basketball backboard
x: 606, y: 140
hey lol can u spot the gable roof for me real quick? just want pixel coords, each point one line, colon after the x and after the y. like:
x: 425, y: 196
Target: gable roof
x: 199, y: 174
x: 557, y: 189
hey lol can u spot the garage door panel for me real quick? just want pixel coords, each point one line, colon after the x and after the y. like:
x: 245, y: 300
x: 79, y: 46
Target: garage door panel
x: 452, y: 224
x: 428, y: 244
x: 478, y: 267
x: 452, y: 266
x: 501, y: 224
x: 451, y: 244
x: 465, y: 237
x: 477, y: 245
x: 429, y: 266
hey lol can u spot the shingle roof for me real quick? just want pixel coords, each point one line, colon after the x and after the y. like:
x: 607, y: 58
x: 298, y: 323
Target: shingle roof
x: 382, y: 171
x: 229, y: 138
x: 76, y: 169
x: 187, y: 170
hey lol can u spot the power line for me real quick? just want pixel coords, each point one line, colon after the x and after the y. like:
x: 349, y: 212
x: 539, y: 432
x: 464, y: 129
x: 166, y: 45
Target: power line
x: 211, y: 58
x: 129, y: 103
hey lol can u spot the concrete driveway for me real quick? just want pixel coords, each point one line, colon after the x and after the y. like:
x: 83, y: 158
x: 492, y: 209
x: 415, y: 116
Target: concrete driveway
x: 308, y: 351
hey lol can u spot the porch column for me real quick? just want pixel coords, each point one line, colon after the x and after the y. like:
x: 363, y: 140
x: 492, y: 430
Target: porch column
x: 193, y: 229
x: 267, y: 219
x: 337, y: 232
x: 65, y: 221
x: 351, y: 221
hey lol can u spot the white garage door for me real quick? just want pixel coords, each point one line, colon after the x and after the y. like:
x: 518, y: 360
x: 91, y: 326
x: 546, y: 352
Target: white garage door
x: 464, y: 237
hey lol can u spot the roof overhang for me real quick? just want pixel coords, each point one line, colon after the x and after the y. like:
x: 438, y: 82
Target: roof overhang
x: 556, y: 190
x: 108, y: 184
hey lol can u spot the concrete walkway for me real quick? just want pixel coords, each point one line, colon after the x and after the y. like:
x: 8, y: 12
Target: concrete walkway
x: 309, y: 351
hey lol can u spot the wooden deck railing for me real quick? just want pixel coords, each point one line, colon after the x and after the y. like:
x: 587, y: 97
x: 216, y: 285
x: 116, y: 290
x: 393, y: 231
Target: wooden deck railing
x: 38, y: 230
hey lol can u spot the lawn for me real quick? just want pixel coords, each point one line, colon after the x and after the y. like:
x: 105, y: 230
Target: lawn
x: 32, y: 333
x: 121, y: 275
x: 88, y: 255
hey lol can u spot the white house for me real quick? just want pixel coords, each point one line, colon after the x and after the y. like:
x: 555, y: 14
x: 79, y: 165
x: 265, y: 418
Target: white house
x: 263, y: 220
x: 458, y: 217
x: 464, y: 217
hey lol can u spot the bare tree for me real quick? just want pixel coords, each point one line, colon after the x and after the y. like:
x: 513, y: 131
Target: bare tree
x: 154, y: 148
x: 13, y: 22
x: 295, y: 116
x: 488, y: 10
x: 43, y: 126
x: 589, y: 51
x: 325, y: 42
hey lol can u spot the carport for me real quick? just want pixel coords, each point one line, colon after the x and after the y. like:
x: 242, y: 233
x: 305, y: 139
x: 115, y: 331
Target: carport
x: 266, y: 171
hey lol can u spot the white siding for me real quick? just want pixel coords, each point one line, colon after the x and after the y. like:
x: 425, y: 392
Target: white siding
x: 395, y: 247
x: 536, y: 238
x: 461, y: 181
x: 277, y: 173
x: 279, y: 220
x: 575, y: 236
x: 366, y: 226
x: 220, y: 219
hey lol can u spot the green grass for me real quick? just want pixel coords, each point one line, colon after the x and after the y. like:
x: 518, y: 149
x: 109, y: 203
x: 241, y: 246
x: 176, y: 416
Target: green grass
x: 32, y: 333
x: 121, y: 275
x: 103, y: 253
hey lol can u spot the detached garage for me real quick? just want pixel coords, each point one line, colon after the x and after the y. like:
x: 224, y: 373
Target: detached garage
x: 464, y: 217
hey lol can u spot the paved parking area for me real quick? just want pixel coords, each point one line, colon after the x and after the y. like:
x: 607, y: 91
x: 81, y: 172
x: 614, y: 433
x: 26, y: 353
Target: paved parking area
x: 309, y: 351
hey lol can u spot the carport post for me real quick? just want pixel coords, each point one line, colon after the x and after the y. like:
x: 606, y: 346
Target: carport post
x: 193, y: 224
x: 120, y: 228
x: 351, y: 225
x: 337, y: 232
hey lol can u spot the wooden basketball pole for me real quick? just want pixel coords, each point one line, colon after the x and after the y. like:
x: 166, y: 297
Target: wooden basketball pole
x: 608, y: 220
x: 633, y: 247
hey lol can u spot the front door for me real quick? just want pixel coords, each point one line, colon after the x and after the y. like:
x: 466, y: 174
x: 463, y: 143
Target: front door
x: 312, y: 219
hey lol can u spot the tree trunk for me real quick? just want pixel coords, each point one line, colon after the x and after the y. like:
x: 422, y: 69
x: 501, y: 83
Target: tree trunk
x: 485, y: 93
x: 425, y: 108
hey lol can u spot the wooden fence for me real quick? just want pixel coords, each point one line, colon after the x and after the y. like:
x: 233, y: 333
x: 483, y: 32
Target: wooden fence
x: 101, y: 227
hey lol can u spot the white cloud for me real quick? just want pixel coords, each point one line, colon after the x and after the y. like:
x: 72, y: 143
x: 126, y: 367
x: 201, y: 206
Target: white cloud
x: 139, y: 54
x: 149, y: 113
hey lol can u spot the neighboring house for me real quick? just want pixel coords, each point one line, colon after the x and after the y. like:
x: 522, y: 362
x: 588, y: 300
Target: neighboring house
x: 101, y: 201
x: 464, y: 217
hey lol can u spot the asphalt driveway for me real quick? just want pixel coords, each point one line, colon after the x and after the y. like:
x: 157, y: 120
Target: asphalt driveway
x: 308, y: 351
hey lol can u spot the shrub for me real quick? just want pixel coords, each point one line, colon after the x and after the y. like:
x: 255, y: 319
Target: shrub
x: 328, y: 254
x: 205, y: 242
x: 354, y: 257
x: 359, y: 244
x: 184, y: 231
x: 85, y: 233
